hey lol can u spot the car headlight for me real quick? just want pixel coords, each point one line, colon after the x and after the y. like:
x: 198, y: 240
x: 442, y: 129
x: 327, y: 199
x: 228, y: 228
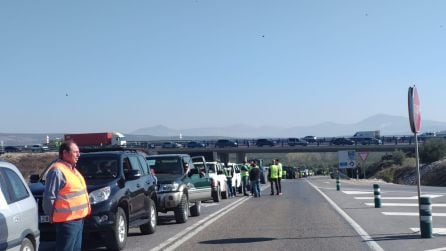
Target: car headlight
x: 100, y: 195
x: 168, y: 187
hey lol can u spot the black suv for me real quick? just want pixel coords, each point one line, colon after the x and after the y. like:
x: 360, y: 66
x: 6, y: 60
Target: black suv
x: 264, y: 142
x: 122, y: 194
x: 225, y: 143
x: 181, y: 183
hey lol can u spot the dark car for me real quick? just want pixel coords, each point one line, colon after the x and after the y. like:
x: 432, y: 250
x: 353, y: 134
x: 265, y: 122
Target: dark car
x: 225, y: 143
x: 195, y: 144
x: 296, y: 142
x: 180, y: 184
x: 171, y: 144
x: 264, y: 142
x: 342, y: 141
x: 122, y: 194
x: 310, y: 139
x: 12, y: 149
x: 368, y: 141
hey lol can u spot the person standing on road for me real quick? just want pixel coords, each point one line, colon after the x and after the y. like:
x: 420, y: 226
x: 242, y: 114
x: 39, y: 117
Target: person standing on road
x: 279, y: 178
x: 254, y: 177
x: 244, y: 173
x: 229, y: 172
x: 65, y: 198
x: 273, y: 175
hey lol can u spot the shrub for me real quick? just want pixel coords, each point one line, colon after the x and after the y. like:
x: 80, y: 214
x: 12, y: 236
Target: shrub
x: 433, y: 150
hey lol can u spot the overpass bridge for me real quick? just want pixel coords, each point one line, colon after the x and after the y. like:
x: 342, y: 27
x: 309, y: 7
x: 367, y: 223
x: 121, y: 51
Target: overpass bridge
x: 214, y: 153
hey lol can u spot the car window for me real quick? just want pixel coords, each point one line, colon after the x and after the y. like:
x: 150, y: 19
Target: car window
x: 12, y: 186
x: 165, y: 165
x: 98, y: 167
x: 212, y: 167
x: 144, y: 164
x: 135, y: 164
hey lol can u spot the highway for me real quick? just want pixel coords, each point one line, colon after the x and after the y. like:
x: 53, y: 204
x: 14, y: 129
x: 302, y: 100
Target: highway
x: 310, y: 215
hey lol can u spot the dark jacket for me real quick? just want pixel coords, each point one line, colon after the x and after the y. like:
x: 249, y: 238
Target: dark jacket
x: 254, y: 174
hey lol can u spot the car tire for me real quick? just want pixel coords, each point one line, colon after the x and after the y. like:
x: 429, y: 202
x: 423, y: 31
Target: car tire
x: 216, y: 195
x: 195, y: 210
x: 149, y: 227
x: 182, y: 210
x: 224, y: 194
x: 118, y: 239
x: 27, y: 245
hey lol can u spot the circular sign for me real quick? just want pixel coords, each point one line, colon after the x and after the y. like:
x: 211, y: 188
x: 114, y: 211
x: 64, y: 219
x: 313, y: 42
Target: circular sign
x: 414, y: 110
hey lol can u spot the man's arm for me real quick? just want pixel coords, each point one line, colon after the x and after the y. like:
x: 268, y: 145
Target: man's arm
x: 53, y: 183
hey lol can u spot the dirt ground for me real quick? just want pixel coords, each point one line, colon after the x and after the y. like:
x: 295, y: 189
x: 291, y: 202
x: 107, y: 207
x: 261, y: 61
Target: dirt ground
x: 30, y: 163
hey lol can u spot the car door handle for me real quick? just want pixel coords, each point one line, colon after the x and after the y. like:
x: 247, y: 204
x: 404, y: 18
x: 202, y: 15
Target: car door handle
x: 138, y: 185
x: 15, y: 219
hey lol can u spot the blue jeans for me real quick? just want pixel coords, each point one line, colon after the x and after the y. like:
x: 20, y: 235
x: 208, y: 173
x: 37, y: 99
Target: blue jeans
x: 69, y: 235
x: 256, y: 187
x: 245, y: 184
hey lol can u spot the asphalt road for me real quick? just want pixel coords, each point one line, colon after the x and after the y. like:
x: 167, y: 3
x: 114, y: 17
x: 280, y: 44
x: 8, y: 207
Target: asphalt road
x: 310, y: 215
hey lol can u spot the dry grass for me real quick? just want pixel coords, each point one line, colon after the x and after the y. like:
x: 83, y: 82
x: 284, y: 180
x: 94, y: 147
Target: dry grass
x: 30, y: 163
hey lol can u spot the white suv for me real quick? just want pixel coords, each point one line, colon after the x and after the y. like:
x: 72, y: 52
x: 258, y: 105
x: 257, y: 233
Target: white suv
x: 18, y: 209
x: 216, y: 173
x: 237, y: 179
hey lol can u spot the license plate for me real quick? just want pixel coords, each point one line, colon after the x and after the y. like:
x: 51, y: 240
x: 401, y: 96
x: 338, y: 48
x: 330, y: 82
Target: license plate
x: 44, y: 218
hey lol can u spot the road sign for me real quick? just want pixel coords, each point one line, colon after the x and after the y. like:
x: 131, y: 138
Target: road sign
x: 414, y: 110
x: 363, y: 155
x: 347, y: 159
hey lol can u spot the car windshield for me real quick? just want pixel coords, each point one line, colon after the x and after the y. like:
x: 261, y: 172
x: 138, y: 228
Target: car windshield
x: 211, y: 167
x: 98, y: 167
x: 165, y: 165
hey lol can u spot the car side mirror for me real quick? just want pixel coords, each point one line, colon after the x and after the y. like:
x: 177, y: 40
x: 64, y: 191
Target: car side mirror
x: 34, y: 178
x: 133, y: 175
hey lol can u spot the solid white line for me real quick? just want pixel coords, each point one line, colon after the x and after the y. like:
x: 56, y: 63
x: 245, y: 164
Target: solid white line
x: 437, y: 249
x: 437, y: 231
x: 356, y: 192
x: 364, y: 235
x: 398, y: 198
x: 187, y: 233
x: 404, y: 204
x: 411, y: 214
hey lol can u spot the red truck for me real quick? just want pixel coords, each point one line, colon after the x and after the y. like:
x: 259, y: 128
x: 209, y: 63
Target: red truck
x: 101, y: 139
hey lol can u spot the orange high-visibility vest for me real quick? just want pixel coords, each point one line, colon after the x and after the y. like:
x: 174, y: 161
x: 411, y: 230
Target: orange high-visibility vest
x: 72, y: 201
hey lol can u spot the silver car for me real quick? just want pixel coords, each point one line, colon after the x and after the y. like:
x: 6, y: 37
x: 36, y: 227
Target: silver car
x: 18, y: 211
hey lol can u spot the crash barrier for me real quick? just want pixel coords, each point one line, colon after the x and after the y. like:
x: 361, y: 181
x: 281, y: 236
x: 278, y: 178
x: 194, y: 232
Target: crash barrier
x: 377, y: 193
x: 426, y: 217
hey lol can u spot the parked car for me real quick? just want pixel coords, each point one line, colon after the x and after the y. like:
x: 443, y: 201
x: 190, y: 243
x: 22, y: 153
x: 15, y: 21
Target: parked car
x: 122, y: 194
x: 180, y: 184
x: 342, y: 141
x: 171, y: 144
x: 217, y: 175
x: 310, y: 139
x: 264, y: 142
x: 237, y: 178
x: 18, y: 210
x: 195, y: 144
x: 296, y: 142
x: 38, y: 148
x: 12, y: 149
x: 225, y: 143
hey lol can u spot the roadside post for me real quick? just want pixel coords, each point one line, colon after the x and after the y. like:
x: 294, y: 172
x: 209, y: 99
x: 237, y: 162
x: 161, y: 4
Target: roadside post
x: 426, y: 217
x: 338, y: 186
x: 415, y: 126
x: 377, y: 194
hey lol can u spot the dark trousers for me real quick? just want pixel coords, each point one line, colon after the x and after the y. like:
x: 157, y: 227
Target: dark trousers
x: 69, y: 235
x: 276, y: 183
x: 279, y: 181
x: 245, y: 184
x: 230, y: 188
x: 255, y: 184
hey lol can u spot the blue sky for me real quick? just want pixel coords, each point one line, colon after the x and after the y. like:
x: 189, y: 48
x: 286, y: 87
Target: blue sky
x: 126, y: 65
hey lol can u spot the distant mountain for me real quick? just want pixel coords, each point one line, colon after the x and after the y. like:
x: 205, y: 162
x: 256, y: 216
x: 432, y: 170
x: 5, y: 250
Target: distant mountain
x: 387, y: 124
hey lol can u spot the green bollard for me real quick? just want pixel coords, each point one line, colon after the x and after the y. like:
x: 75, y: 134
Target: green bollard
x: 426, y: 217
x: 338, y: 186
x: 377, y: 193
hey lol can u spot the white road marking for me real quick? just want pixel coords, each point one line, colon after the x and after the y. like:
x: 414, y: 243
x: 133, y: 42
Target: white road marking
x: 364, y: 235
x: 437, y: 231
x: 432, y: 196
x: 437, y: 249
x: 411, y: 214
x: 209, y: 204
x: 404, y: 204
x: 357, y: 192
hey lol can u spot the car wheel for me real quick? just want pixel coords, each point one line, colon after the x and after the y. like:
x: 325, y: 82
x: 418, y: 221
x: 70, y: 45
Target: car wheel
x: 182, y: 210
x: 195, y: 210
x: 119, y: 236
x: 149, y: 227
x: 216, y: 195
x: 27, y: 245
